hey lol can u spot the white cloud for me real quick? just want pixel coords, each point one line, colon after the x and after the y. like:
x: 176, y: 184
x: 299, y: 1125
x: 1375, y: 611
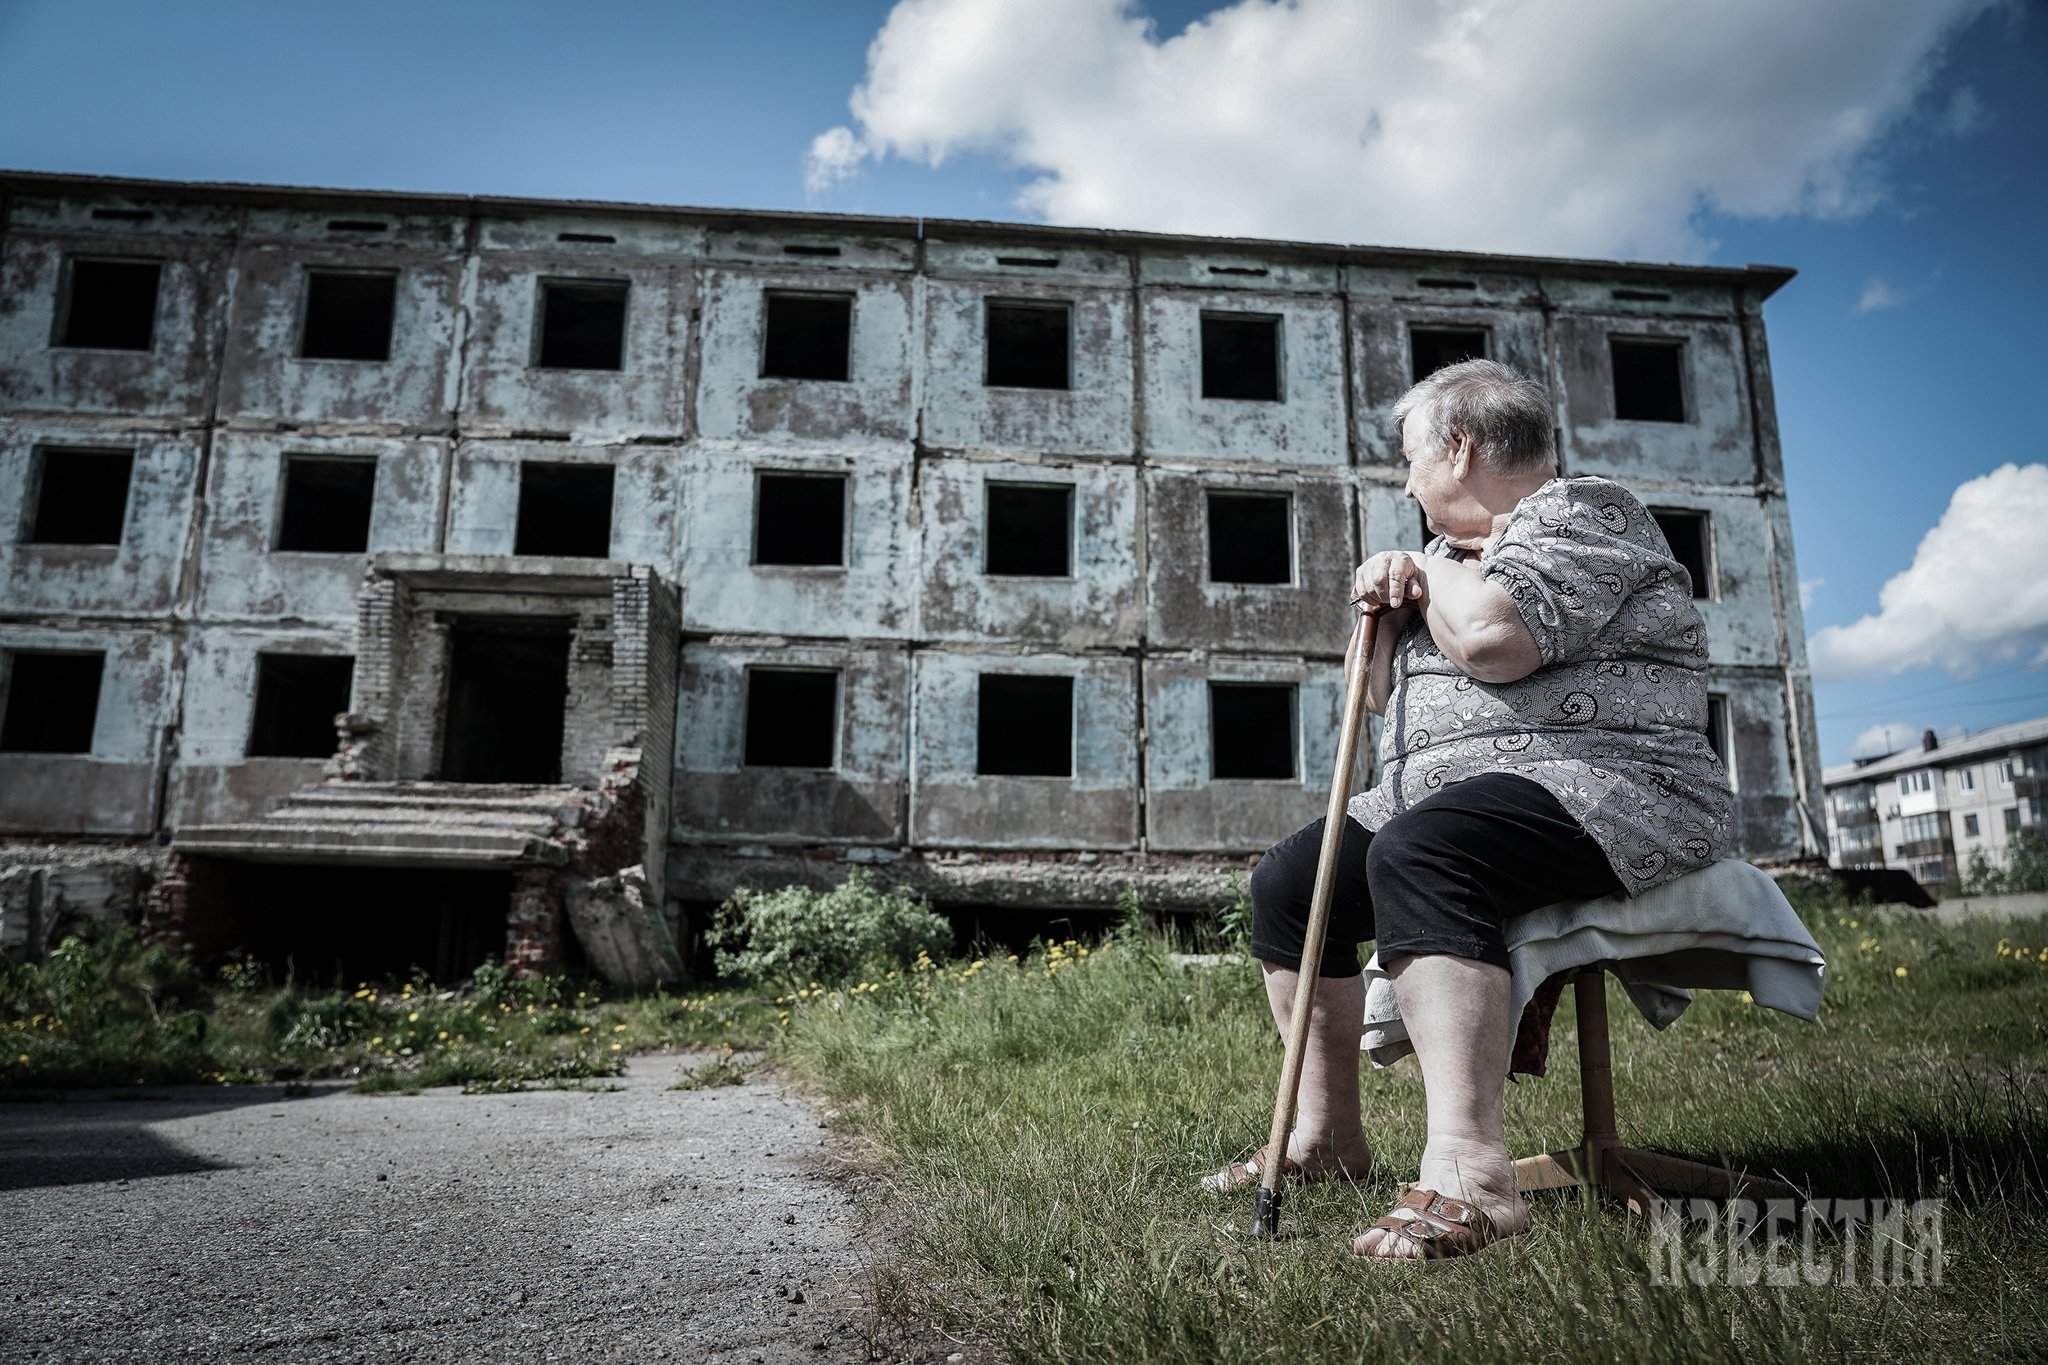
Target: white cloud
x: 1880, y: 740
x: 1878, y: 295
x: 1475, y: 124
x: 1976, y: 593
x: 1807, y: 588
x: 834, y: 156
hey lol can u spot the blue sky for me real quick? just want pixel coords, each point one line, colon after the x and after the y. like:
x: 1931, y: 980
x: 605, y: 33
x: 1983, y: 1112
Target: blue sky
x: 1885, y: 410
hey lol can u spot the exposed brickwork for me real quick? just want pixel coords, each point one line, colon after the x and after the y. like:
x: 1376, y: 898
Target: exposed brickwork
x: 536, y: 921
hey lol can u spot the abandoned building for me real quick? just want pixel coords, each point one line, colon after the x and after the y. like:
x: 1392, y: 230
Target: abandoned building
x: 407, y: 578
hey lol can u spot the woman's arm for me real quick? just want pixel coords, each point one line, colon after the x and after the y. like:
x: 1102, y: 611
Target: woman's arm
x: 1474, y: 622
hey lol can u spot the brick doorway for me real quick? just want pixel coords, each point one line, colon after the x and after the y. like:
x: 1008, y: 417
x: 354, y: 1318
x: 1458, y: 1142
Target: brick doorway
x: 508, y: 687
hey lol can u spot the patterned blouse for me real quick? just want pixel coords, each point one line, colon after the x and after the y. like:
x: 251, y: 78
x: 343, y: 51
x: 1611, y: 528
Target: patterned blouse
x: 1613, y: 723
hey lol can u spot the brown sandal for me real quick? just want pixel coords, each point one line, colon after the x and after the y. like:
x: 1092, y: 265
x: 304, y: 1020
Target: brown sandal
x: 1442, y: 1227
x: 1240, y: 1175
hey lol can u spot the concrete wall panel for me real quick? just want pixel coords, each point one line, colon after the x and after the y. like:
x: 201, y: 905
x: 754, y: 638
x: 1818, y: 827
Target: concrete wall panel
x: 483, y: 511
x: 951, y: 806
x: 140, y: 574
x: 962, y: 412
x: 724, y: 590
x: 1304, y: 429
x: 1186, y: 806
x: 1096, y: 606
x: 112, y: 789
x: 242, y: 573
x: 264, y: 379
x: 1188, y: 611
x: 505, y: 393
x: 169, y: 380
x: 859, y: 799
x: 872, y: 406
x: 1766, y: 814
x: 1713, y: 444
x: 215, y: 779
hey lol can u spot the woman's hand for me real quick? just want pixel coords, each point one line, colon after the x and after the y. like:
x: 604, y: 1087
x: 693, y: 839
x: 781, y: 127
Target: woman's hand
x: 1391, y: 578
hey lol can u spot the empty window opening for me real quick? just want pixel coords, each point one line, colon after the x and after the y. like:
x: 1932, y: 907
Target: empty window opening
x: 1027, y: 345
x: 800, y: 519
x: 1030, y: 262
x: 594, y: 238
x: 792, y: 717
x: 123, y: 215
x: 327, y: 502
x: 53, y: 698
x: 80, y: 496
x: 1432, y: 348
x: 582, y: 325
x: 348, y: 315
x: 1241, y: 356
x: 357, y: 225
x: 794, y: 249
x: 1642, y: 296
x: 508, y: 685
x: 1647, y: 382
x: 1030, y: 529
x: 1717, y: 728
x: 807, y: 336
x: 564, y: 509
x: 1438, y: 282
x: 1251, y: 731
x: 1025, y: 727
x: 1251, y: 538
x: 110, y: 305
x: 1686, y: 532
x: 297, y: 698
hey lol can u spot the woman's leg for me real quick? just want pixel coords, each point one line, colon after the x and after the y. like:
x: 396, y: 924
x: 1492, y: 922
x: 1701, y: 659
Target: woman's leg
x: 1458, y: 865
x: 1327, y: 1134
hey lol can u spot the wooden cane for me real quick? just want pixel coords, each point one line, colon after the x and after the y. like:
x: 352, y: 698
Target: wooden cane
x: 1266, y: 1219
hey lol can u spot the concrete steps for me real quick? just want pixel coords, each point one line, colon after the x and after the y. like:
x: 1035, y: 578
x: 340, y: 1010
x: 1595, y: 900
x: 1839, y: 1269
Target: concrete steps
x: 422, y: 824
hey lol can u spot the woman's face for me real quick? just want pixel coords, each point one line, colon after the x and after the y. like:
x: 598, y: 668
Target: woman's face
x: 1433, y: 482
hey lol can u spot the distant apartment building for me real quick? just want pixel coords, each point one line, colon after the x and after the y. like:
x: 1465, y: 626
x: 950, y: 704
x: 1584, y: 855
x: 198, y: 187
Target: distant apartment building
x: 1928, y: 810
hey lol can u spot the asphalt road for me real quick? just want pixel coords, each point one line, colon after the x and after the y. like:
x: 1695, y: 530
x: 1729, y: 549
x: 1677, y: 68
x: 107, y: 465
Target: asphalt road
x: 233, y: 1222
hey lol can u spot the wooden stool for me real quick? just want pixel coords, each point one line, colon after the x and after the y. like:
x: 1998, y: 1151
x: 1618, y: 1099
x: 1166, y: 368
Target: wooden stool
x: 1601, y: 1161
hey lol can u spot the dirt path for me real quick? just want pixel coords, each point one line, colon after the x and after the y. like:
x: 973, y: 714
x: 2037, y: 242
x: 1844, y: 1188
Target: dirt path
x: 229, y: 1222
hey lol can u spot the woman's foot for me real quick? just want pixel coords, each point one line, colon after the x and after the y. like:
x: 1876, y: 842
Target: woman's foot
x: 1348, y: 1161
x: 1484, y: 1206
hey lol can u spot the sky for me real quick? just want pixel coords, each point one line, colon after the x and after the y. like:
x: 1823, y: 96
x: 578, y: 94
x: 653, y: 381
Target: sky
x: 1889, y: 151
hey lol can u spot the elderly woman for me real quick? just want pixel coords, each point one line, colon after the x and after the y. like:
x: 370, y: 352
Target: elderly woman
x: 1540, y: 666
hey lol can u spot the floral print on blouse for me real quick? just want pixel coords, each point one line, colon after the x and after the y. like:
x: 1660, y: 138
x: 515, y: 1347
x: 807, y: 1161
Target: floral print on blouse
x: 1614, y: 722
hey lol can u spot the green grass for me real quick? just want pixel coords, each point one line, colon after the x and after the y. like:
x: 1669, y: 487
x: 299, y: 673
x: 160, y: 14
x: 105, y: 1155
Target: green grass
x: 118, y: 1012
x: 1043, y: 1124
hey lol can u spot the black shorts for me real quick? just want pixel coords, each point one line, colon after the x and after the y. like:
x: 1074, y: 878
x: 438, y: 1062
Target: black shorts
x: 1443, y: 876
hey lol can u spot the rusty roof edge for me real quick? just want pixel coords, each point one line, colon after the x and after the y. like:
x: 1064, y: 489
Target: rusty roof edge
x: 1764, y: 279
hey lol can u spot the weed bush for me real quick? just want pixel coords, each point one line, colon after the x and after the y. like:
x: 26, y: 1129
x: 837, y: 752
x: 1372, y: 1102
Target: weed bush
x: 105, y: 1007
x: 797, y: 935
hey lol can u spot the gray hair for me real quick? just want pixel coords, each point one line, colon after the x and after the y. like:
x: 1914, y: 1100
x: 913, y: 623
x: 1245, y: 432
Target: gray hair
x: 1505, y: 414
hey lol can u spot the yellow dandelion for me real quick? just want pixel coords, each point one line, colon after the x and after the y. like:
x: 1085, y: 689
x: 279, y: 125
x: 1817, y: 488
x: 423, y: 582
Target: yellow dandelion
x: 618, y: 1028
x: 443, y: 1035
x: 377, y: 1041
x: 615, y: 1047
x: 413, y: 1018
x: 23, y: 1059
x: 1898, y: 971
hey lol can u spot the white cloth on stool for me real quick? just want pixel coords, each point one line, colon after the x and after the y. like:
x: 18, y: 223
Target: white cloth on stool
x: 1724, y: 927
